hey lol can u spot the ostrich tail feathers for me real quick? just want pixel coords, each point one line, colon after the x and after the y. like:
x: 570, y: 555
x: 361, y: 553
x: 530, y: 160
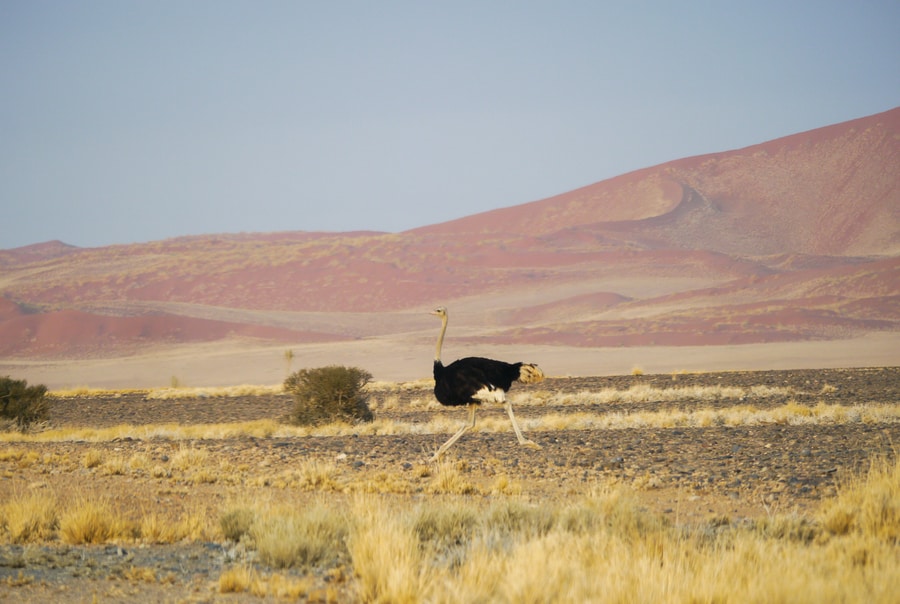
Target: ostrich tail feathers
x: 529, y: 373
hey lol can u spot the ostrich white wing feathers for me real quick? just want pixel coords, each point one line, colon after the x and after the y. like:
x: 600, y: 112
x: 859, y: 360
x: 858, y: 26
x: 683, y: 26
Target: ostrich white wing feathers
x: 490, y: 394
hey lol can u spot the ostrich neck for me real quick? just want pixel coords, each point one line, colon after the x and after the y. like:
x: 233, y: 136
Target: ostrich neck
x: 440, y: 340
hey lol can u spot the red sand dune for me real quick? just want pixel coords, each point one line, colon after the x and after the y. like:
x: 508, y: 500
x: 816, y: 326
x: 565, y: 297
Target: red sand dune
x: 833, y: 190
x: 796, y: 238
x: 73, y: 332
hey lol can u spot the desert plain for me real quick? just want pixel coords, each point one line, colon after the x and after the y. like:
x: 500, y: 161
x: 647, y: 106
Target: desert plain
x: 208, y: 495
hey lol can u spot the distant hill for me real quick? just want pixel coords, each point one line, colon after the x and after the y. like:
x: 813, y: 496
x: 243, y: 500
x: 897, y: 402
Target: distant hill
x: 794, y: 239
x: 831, y: 191
x: 35, y: 253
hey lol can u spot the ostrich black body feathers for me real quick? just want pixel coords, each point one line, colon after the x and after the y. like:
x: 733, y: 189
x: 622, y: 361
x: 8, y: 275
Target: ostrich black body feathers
x: 472, y: 380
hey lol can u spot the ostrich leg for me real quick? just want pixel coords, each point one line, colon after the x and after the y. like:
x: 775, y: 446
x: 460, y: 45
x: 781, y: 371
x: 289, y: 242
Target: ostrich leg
x: 522, y: 439
x: 455, y: 437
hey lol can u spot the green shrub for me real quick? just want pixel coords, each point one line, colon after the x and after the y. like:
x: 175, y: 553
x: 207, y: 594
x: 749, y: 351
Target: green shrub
x: 21, y: 404
x: 328, y: 394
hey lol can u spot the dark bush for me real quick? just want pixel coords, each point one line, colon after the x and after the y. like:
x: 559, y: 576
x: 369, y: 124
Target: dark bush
x: 327, y: 394
x: 21, y: 404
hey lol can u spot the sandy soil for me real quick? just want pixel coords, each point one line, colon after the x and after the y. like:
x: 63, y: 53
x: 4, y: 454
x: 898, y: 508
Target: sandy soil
x: 690, y: 475
x: 408, y: 357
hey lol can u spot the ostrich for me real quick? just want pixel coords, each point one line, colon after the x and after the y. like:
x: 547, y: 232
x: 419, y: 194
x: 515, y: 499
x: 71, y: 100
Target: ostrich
x: 475, y: 380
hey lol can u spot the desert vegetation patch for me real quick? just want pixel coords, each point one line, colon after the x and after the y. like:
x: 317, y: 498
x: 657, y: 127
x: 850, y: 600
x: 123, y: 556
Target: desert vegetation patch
x: 750, y: 486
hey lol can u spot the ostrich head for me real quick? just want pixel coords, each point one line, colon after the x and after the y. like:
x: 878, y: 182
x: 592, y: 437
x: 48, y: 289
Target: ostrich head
x: 440, y: 311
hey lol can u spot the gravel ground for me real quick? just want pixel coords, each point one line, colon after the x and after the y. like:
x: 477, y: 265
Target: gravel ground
x: 689, y: 474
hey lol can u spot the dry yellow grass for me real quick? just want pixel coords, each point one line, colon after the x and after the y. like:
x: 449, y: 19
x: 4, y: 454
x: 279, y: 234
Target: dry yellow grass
x: 460, y: 541
x: 244, y: 579
x: 92, y: 458
x: 867, y: 505
x: 189, y: 458
x: 237, y: 579
x: 643, y: 393
x: 383, y: 386
x: 604, y: 547
x: 740, y: 415
x: 449, y: 480
x: 214, y: 392
x: 388, y: 393
x: 156, y: 528
x: 287, y: 536
x: 29, y: 516
x: 387, y: 559
x: 90, y: 519
x: 600, y: 545
x: 39, y: 516
x: 172, y: 392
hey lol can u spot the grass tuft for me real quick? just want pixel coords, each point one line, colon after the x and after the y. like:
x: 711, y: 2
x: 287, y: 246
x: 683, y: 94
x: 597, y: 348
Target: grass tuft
x: 29, y: 517
x: 868, y: 505
x: 388, y: 562
x: 90, y: 520
x: 92, y: 458
x: 287, y: 537
x: 236, y: 523
x: 448, y: 479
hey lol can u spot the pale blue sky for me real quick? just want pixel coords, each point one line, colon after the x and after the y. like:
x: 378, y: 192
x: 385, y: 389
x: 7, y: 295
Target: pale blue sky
x: 125, y: 121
